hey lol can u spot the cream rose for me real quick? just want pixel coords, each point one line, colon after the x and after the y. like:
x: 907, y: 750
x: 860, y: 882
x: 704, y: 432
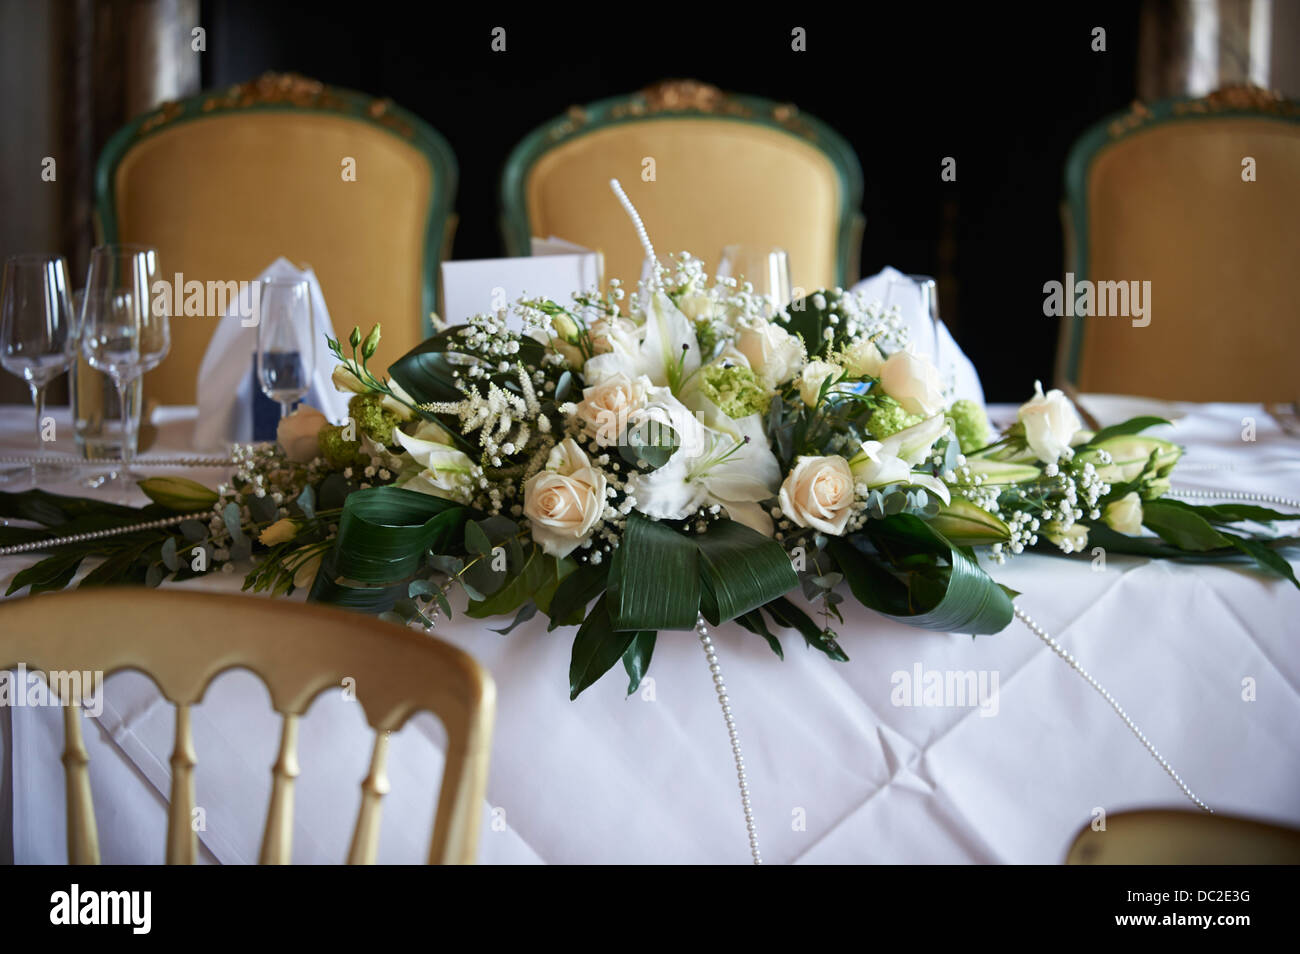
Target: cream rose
x: 297, y: 434
x: 913, y: 382
x: 811, y: 378
x: 818, y: 493
x: 863, y: 359
x: 564, y: 501
x: 605, y: 407
x: 773, y: 353
x: 1050, y: 422
x: 1125, y: 515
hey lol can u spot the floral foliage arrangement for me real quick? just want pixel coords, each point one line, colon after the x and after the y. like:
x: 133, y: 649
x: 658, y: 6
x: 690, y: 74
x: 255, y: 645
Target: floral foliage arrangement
x: 627, y: 467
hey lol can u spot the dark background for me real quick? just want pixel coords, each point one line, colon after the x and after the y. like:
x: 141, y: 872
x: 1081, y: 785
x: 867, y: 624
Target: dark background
x: 1004, y: 89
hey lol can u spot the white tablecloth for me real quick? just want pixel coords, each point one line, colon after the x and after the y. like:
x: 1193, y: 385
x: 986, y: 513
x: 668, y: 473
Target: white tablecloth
x: 838, y: 773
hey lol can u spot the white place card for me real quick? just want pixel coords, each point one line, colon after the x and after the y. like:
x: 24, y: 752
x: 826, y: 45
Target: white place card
x: 556, y: 270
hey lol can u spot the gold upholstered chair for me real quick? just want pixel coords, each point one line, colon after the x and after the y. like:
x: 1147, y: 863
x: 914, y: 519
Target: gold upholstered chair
x: 1162, y: 837
x: 227, y: 181
x: 299, y: 652
x: 727, y: 169
x: 1201, y: 198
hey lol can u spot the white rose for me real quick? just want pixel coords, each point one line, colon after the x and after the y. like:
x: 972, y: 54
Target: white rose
x: 564, y: 502
x: 613, y: 334
x: 811, y: 378
x: 700, y: 306
x: 863, y: 359
x: 818, y: 493
x: 1125, y: 515
x: 913, y: 382
x: 774, y: 354
x: 605, y: 407
x: 1050, y: 423
x: 297, y: 434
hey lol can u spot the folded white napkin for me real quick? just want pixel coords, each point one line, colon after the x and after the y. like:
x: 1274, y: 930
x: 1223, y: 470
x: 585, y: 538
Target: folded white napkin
x: 892, y: 287
x: 226, y: 385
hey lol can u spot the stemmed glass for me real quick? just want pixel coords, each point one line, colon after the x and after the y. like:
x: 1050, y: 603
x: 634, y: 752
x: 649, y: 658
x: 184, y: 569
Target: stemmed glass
x: 904, y: 290
x: 767, y: 269
x: 124, y: 330
x: 286, y: 340
x: 36, y: 332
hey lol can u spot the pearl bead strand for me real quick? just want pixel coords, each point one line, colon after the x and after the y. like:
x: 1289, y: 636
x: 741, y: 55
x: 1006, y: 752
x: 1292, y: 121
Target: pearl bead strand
x: 706, y: 641
x: 101, y: 534
x: 1119, y: 710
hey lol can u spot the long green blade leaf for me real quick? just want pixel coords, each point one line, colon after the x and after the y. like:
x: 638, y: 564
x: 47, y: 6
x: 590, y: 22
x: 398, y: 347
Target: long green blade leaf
x: 654, y: 581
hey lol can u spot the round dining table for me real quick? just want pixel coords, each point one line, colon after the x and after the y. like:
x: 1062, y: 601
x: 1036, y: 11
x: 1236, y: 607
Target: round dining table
x: 847, y: 762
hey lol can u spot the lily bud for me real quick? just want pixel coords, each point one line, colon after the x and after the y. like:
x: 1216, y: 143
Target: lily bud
x: 965, y: 524
x: 178, y: 494
x: 371, y: 344
x: 1001, y: 473
x: 354, y: 339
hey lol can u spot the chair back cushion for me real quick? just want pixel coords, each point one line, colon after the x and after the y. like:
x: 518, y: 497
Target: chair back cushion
x: 1166, y: 203
x: 222, y: 192
x: 704, y: 171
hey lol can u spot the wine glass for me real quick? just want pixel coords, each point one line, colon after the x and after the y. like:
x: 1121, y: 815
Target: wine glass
x: 905, y: 290
x: 767, y: 269
x: 286, y: 340
x: 36, y: 334
x: 125, y: 331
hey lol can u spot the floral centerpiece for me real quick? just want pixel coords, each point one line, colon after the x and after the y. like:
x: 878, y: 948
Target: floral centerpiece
x: 628, y: 465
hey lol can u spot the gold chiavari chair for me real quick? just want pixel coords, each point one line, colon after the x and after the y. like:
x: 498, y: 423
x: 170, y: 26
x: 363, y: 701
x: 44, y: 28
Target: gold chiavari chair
x: 184, y: 639
x: 1163, y: 837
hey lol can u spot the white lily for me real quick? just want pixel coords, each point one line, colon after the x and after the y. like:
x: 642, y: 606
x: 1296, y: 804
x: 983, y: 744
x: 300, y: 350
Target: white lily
x: 659, y: 354
x: 443, y: 471
x: 891, y: 461
x: 913, y: 443
x: 734, y: 473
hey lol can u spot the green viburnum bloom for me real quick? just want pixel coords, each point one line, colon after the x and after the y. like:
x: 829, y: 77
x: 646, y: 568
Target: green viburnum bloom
x: 735, y: 390
x: 338, y: 451
x: 889, y: 418
x: 970, y: 424
x: 372, y: 418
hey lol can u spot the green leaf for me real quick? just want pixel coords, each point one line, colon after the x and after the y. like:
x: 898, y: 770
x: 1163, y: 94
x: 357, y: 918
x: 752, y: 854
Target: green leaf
x: 1182, y: 526
x: 786, y: 614
x: 169, y: 557
x: 740, y: 570
x: 636, y: 659
x: 1231, y: 512
x: 1268, y: 559
x: 944, y: 590
x: 654, y: 581
x: 754, y: 622
x: 526, y: 612
x: 307, y: 502
x: 596, y: 648
x: 476, y: 541
x: 520, y: 588
x: 1132, y: 426
x: 52, y: 573
x: 577, y: 589
x: 384, y: 534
